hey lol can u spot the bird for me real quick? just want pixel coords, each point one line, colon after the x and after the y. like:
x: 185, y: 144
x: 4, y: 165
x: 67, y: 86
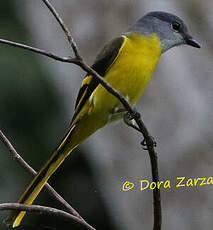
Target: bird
x: 127, y: 63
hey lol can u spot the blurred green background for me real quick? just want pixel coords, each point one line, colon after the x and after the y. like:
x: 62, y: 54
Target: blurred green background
x: 37, y: 97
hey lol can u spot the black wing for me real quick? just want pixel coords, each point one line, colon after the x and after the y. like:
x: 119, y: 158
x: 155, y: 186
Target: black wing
x: 102, y: 63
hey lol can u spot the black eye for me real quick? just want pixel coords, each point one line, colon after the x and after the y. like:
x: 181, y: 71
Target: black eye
x: 176, y: 26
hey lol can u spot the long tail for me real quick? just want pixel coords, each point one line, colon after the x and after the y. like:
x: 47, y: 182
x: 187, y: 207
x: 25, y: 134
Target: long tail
x: 32, y: 191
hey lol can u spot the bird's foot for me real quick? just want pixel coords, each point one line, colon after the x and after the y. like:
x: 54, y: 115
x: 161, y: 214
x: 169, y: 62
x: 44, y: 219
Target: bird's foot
x: 128, y: 119
x: 151, y: 143
x: 133, y: 115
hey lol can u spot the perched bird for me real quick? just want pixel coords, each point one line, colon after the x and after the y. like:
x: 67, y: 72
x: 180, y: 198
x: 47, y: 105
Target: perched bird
x: 126, y: 63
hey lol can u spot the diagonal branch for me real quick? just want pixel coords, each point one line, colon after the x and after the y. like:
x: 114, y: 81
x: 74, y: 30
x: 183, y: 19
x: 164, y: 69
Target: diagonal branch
x: 14, y: 154
x: 39, y: 51
x: 41, y: 210
x: 64, y: 28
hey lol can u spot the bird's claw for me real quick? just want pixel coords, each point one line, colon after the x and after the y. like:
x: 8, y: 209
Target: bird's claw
x: 133, y: 115
x: 151, y: 143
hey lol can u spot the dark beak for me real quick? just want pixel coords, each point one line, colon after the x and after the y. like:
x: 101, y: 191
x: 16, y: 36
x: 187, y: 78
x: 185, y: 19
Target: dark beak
x: 192, y: 42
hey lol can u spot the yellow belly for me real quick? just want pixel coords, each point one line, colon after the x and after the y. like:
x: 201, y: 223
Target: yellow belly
x: 130, y: 72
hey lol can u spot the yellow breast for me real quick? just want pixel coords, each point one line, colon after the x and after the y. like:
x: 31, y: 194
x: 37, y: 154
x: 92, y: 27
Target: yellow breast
x: 131, y: 70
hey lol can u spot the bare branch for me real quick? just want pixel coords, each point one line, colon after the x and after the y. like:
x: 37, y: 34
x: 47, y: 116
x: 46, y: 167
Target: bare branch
x: 39, y: 51
x: 15, y: 156
x: 155, y: 175
x: 42, y: 210
x: 64, y: 28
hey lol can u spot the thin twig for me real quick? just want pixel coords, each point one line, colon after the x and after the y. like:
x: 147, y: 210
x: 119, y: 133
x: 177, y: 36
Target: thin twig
x: 39, y: 51
x: 64, y: 28
x: 14, y: 154
x: 41, y: 210
x: 155, y: 175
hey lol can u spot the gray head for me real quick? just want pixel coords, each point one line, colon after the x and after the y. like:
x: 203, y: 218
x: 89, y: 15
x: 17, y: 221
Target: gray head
x: 170, y: 29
